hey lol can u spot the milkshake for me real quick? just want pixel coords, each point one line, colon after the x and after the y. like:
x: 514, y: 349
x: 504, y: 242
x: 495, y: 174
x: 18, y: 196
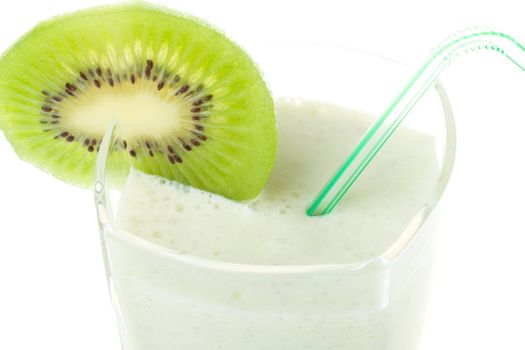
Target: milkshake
x: 231, y: 261
x: 263, y: 275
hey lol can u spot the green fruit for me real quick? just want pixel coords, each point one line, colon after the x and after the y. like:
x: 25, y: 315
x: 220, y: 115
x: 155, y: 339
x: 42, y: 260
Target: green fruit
x: 189, y: 103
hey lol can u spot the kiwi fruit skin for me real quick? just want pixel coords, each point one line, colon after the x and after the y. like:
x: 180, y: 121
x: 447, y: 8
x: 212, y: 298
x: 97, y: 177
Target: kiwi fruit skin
x: 230, y: 150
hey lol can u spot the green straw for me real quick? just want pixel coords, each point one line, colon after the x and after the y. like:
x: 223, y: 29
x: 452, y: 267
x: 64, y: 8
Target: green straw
x: 381, y: 130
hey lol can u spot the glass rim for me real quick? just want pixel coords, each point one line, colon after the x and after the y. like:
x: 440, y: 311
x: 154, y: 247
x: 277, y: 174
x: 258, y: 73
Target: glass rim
x: 108, y: 227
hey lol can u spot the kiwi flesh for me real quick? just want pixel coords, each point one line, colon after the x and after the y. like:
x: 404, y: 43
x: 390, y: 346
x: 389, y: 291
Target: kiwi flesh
x: 189, y: 103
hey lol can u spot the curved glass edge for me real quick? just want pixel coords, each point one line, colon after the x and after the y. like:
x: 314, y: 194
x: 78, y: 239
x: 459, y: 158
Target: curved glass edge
x: 108, y: 227
x: 449, y: 157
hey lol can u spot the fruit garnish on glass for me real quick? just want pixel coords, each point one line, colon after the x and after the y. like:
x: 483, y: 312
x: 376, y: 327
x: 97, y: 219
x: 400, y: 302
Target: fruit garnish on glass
x: 190, y: 104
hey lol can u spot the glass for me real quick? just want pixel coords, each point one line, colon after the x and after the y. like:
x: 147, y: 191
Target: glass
x: 167, y: 300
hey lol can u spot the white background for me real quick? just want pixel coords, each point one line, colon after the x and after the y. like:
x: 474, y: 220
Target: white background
x: 52, y: 287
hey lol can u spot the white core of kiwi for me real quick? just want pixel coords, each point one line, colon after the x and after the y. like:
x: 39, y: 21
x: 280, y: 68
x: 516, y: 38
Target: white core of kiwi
x: 129, y: 107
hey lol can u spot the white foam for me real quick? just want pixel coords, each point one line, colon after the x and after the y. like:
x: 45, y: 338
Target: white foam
x: 274, y: 230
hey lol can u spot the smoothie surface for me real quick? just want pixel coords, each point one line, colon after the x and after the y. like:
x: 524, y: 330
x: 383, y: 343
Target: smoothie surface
x: 314, y: 138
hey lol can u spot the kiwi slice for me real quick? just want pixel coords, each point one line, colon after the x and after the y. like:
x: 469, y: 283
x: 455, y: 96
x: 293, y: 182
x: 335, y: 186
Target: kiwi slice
x: 189, y: 103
